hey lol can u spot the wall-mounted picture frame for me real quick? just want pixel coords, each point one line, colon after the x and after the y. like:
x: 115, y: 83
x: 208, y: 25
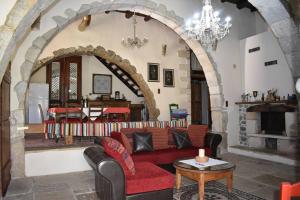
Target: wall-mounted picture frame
x: 153, y: 72
x: 169, y: 78
x: 102, y: 84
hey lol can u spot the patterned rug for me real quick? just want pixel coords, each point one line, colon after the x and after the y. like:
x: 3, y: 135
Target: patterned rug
x: 213, y: 191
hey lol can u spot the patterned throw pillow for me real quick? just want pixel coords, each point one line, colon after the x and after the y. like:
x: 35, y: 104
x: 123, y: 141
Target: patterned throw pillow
x: 142, y: 142
x: 117, y: 151
x: 182, y: 140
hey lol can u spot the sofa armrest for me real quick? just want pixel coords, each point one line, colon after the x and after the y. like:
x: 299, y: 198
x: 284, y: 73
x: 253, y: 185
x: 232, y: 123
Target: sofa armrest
x: 212, y: 140
x: 109, y: 175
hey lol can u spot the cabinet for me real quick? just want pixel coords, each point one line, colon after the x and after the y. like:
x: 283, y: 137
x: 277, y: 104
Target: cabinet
x: 109, y: 103
x: 64, y: 79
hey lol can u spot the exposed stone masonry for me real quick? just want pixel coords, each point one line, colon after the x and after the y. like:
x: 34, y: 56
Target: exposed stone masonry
x: 243, y: 139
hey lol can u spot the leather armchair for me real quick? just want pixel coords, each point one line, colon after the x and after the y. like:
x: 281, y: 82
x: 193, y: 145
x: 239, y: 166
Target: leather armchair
x: 212, y: 141
x: 110, y: 179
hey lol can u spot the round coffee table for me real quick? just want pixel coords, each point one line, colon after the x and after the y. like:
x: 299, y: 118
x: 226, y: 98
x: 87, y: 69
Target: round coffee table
x: 204, y: 174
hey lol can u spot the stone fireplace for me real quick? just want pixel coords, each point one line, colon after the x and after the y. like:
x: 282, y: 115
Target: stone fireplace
x: 270, y: 126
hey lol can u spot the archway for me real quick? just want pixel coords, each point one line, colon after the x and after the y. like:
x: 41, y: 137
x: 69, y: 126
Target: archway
x: 111, y: 57
x: 158, y: 12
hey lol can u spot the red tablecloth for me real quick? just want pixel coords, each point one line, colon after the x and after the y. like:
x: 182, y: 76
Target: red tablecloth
x: 116, y: 110
x: 63, y: 110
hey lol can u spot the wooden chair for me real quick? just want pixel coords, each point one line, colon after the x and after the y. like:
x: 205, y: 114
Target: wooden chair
x: 289, y: 190
x: 95, y: 114
x: 71, y: 118
x: 172, y: 107
x: 46, y: 121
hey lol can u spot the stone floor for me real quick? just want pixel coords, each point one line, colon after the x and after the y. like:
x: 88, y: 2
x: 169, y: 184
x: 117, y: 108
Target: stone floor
x: 254, y: 176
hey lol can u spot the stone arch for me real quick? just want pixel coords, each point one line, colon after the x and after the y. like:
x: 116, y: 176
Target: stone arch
x: 111, y: 57
x: 158, y: 12
x: 147, y: 7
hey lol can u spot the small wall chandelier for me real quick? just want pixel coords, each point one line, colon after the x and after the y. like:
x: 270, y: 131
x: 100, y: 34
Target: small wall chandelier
x: 135, y: 41
x: 208, y: 29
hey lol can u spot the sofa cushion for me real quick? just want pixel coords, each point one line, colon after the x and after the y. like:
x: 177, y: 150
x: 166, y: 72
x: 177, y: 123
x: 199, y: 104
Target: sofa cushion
x: 142, y: 142
x: 167, y: 156
x: 148, y: 177
x: 171, y: 142
x: 159, y: 137
x: 197, y: 134
x: 117, y: 151
x: 182, y: 140
x: 128, y: 132
x: 126, y: 143
x: 117, y: 136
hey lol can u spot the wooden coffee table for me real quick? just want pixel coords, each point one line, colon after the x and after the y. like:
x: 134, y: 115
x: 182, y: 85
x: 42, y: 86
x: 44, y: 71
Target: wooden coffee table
x: 204, y: 174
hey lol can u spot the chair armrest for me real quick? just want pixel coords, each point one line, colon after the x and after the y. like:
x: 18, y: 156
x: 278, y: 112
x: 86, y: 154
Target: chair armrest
x: 212, y: 140
x: 109, y: 175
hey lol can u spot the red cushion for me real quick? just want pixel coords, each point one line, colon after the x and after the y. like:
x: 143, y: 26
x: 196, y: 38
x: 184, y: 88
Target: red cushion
x: 116, y: 150
x: 197, y: 134
x: 117, y: 136
x: 166, y: 156
x: 159, y: 137
x: 148, y: 177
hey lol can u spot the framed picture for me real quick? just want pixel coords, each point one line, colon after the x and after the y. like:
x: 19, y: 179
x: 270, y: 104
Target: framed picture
x: 169, y: 78
x: 102, y: 84
x: 153, y: 72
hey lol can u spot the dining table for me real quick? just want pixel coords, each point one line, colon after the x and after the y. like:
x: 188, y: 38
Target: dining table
x: 58, y: 112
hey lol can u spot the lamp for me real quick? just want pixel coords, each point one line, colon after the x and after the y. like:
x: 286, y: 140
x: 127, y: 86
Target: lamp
x: 135, y: 41
x: 298, y: 85
x: 208, y: 29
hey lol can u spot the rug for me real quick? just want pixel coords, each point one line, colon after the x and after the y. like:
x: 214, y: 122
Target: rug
x: 213, y: 191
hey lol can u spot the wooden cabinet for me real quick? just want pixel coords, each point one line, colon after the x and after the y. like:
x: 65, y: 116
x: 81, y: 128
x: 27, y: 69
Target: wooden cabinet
x: 136, y: 112
x: 109, y: 103
x: 64, y: 79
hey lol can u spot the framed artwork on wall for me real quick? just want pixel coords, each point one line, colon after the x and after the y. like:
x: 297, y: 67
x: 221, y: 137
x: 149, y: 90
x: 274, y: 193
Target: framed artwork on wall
x: 102, y: 84
x: 169, y: 78
x: 153, y: 72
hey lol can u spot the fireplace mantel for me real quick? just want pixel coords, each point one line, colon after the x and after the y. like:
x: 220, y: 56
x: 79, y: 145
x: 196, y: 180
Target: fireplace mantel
x: 287, y: 102
x: 270, y: 106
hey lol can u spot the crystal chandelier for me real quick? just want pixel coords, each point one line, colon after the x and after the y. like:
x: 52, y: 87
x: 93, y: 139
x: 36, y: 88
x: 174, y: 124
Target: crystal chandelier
x: 135, y: 41
x: 208, y: 29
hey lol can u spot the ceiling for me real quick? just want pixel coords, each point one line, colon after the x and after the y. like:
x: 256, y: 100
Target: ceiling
x: 240, y: 4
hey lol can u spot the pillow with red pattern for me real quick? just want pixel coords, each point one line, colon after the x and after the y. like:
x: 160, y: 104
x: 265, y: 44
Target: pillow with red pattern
x: 117, y: 151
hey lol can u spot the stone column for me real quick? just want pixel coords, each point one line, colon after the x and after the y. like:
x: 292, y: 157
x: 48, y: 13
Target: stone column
x: 17, y: 144
x: 185, y: 78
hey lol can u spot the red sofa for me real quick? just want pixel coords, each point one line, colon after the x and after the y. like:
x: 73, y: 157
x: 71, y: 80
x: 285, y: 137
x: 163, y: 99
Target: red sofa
x: 165, y: 151
x: 149, y: 181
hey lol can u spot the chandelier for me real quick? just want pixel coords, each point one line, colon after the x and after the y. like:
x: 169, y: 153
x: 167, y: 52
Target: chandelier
x: 208, y: 29
x: 134, y: 41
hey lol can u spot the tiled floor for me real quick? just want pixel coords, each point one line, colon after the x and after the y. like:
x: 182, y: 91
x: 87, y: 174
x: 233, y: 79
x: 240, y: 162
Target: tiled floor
x: 258, y: 177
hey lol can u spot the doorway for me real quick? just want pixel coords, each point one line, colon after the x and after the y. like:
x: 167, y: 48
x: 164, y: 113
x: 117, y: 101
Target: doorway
x: 5, y: 132
x: 200, y: 101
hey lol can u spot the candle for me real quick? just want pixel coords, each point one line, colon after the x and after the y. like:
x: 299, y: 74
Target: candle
x: 201, y: 152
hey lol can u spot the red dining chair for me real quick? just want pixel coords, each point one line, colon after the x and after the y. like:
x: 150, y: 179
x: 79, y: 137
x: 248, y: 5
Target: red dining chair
x: 289, y: 190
